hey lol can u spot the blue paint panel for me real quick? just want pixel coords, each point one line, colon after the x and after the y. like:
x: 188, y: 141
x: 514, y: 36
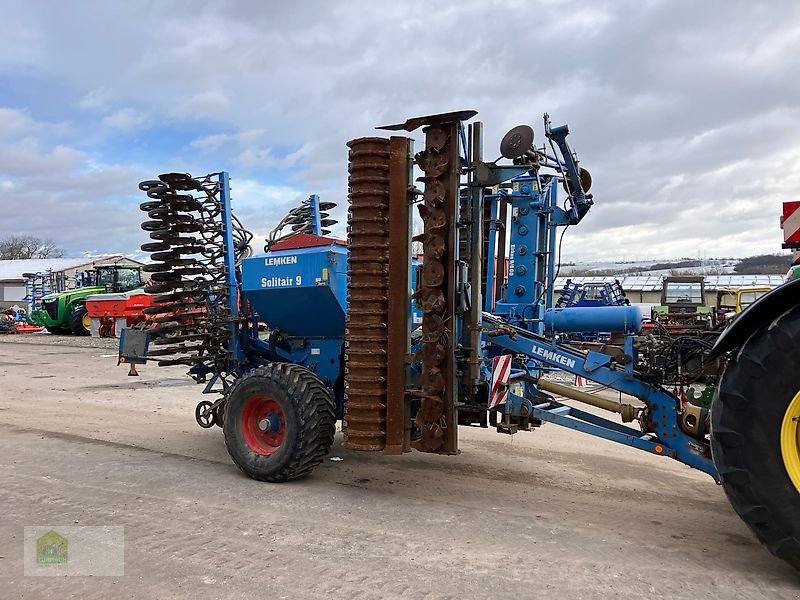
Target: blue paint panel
x: 301, y: 292
x: 235, y: 346
x: 524, y: 282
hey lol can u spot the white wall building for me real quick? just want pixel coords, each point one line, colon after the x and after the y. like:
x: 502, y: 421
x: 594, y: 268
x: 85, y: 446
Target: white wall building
x: 646, y: 289
x: 13, y: 280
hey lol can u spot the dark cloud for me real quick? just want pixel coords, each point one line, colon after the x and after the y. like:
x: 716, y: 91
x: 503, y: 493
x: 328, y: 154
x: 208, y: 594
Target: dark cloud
x: 685, y: 112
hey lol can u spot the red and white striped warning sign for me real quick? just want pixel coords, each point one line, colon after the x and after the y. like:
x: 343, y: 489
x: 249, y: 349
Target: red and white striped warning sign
x: 501, y: 373
x: 790, y: 222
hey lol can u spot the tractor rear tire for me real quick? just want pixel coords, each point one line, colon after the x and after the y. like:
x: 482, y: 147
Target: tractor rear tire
x: 756, y: 409
x: 279, y: 422
x: 78, y: 321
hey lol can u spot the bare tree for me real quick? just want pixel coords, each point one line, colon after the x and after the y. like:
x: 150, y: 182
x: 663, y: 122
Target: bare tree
x: 27, y: 246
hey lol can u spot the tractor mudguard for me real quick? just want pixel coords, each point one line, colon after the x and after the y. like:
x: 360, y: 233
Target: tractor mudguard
x: 764, y: 310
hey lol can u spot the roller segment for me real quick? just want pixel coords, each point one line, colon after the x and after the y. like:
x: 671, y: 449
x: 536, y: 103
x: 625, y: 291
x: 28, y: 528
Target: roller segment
x: 366, y: 332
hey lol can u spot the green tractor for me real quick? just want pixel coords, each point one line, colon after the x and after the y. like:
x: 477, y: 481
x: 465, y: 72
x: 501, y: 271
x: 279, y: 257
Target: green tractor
x: 755, y: 419
x: 65, y: 312
x: 683, y: 306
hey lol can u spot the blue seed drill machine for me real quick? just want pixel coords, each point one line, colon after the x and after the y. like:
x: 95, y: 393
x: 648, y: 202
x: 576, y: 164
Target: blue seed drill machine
x: 404, y: 351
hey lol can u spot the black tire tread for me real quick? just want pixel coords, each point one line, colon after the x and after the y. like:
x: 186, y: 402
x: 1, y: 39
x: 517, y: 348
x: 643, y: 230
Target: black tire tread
x: 753, y: 377
x: 75, y: 320
x: 316, y: 416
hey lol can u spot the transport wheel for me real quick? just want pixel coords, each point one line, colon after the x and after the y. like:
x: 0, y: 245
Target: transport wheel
x: 79, y: 321
x: 279, y: 422
x: 755, y: 439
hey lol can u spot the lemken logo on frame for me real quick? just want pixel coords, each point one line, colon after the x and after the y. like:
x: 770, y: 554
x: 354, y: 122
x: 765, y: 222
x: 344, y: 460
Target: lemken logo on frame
x: 277, y: 261
x: 553, y: 357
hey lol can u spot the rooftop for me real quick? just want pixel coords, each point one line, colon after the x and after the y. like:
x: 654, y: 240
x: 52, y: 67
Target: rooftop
x: 652, y: 283
x: 12, y: 270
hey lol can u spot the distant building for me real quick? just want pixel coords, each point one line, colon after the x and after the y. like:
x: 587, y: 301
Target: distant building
x: 62, y: 273
x: 646, y: 289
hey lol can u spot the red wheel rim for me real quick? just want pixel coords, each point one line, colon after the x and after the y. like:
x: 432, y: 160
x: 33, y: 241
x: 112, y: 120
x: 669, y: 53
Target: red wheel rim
x: 263, y: 425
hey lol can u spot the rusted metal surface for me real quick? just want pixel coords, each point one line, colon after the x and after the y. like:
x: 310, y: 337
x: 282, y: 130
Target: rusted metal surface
x: 436, y: 293
x: 487, y: 225
x: 366, y: 331
x: 400, y: 198
x: 500, y: 266
x: 441, y: 118
x: 476, y: 267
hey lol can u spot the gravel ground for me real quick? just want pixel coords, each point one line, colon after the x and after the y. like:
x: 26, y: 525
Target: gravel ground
x: 548, y: 514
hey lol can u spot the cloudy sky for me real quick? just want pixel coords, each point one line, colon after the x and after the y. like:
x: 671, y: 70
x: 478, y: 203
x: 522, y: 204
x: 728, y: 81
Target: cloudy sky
x: 685, y: 112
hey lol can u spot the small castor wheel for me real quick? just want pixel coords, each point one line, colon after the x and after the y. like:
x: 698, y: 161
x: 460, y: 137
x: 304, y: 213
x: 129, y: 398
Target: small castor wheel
x: 205, y: 414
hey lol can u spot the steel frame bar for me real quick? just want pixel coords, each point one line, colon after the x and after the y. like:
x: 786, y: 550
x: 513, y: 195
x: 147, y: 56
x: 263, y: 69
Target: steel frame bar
x: 579, y: 420
x: 231, y: 280
x: 398, y: 438
x: 476, y: 200
x: 500, y: 257
x: 491, y: 263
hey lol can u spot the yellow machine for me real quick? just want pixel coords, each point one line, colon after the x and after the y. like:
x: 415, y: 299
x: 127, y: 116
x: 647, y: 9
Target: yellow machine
x: 732, y: 301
